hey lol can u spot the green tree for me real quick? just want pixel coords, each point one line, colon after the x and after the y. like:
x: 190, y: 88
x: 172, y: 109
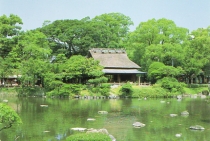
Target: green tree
x: 158, y: 70
x: 80, y: 69
x: 69, y: 37
x: 126, y: 89
x: 197, y: 52
x: 9, y: 28
x: 113, y: 29
x: 30, y: 57
x: 8, y: 117
x: 157, y: 40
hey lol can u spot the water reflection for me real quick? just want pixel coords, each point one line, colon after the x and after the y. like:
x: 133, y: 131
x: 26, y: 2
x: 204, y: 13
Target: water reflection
x: 53, y: 122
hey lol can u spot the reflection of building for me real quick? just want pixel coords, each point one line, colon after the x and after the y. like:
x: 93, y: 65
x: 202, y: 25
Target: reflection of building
x: 11, y: 80
x: 117, y: 66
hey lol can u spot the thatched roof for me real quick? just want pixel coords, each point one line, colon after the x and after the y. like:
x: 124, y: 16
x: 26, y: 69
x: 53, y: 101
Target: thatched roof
x: 112, y: 58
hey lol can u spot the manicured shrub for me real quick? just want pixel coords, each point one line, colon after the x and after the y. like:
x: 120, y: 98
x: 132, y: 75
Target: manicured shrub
x: 105, y: 89
x: 149, y: 92
x: 89, y: 137
x: 126, y: 90
x: 205, y: 92
x: 171, y: 84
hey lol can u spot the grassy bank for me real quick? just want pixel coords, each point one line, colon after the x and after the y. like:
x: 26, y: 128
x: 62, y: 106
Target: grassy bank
x: 155, y: 91
x: 8, y: 91
x: 138, y: 91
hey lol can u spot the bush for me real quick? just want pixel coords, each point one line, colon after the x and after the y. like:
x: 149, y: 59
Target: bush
x: 151, y: 92
x: 102, y: 89
x: 126, y: 89
x: 89, y: 137
x: 105, y: 89
x: 171, y: 84
x: 205, y: 92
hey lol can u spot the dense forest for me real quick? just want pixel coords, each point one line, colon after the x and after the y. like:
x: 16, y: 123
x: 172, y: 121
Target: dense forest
x: 54, y: 56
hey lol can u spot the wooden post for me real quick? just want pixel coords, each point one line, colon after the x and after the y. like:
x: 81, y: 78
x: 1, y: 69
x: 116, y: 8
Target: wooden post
x: 118, y: 78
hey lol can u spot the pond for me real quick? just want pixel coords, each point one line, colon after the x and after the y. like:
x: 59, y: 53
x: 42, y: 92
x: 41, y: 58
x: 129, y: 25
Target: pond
x: 53, y: 120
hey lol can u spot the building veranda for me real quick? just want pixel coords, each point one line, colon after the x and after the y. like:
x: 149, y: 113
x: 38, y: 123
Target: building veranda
x: 118, y: 68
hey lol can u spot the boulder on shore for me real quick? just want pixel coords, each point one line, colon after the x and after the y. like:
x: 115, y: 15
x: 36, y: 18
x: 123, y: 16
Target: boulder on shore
x: 185, y: 113
x: 102, y: 112
x: 138, y: 124
x: 197, y: 127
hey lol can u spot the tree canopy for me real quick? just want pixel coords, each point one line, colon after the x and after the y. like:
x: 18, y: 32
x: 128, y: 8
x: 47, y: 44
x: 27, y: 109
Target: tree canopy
x: 8, y: 117
x: 55, y: 54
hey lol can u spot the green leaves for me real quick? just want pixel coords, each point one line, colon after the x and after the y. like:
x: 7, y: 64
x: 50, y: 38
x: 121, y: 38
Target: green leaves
x: 126, y: 89
x: 8, y: 117
x: 9, y: 29
x: 158, y: 70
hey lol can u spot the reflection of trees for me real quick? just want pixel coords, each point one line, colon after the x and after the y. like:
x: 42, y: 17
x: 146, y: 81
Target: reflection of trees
x: 63, y: 114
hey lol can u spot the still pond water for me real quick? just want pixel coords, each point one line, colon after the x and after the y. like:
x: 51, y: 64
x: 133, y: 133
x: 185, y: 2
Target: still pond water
x: 53, y: 123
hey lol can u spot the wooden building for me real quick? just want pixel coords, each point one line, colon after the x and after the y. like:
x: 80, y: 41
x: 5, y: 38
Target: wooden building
x: 117, y: 66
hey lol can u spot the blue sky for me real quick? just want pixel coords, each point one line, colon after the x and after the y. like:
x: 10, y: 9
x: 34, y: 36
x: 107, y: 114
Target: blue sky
x: 191, y: 14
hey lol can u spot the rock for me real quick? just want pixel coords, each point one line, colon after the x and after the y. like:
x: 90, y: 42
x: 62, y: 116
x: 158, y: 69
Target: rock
x: 112, y: 97
x: 91, y: 119
x: 162, y: 101
x: 173, y: 115
x: 203, y: 96
x: 104, y: 131
x: 138, y: 124
x: 102, y: 112
x: 197, y: 127
x: 76, y: 96
x: 112, y: 137
x: 179, y: 97
x: 5, y: 100
x: 194, y: 96
x: 78, y: 129
x: 44, y: 105
x: 185, y: 113
x: 178, y: 135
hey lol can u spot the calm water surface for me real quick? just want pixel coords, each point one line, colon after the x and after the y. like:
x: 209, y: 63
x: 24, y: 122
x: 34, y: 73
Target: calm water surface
x: 53, y: 123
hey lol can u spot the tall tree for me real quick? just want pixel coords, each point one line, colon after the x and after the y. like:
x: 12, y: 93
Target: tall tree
x: 113, y: 28
x: 9, y: 28
x: 31, y: 56
x: 158, y: 40
x: 197, y: 53
x: 69, y: 37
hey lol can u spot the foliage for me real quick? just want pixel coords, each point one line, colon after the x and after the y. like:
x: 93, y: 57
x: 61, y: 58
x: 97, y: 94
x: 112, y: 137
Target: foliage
x: 53, y: 55
x: 9, y: 30
x: 105, y: 89
x: 102, y: 89
x: 196, y: 85
x: 194, y: 90
x: 126, y: 90
x: 88, y: 137
x: 81, y: 69
x: 113, y: 28
x: 149, y: 92
x: 30, y: 91
x: 196, y: 52
x: 76, y: 37
x: 171, y: 84
x: 8, y: 117
x: 158, y: 70
x: 157, y: 40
